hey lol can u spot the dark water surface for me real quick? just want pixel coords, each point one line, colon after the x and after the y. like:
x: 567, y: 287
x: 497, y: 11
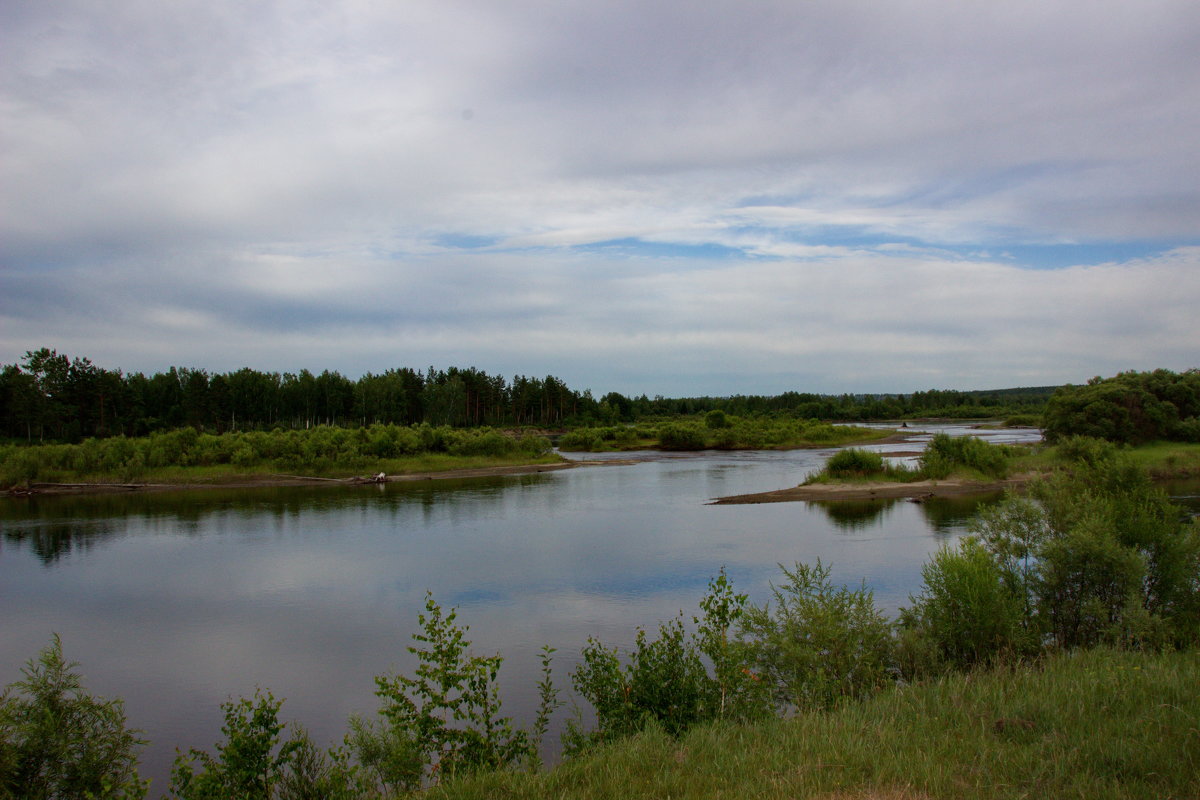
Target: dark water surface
x: 177, y: 602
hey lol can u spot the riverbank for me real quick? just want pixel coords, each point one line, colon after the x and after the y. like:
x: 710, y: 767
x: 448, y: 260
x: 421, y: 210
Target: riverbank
x: 259, y: 481
x: 872, y: 490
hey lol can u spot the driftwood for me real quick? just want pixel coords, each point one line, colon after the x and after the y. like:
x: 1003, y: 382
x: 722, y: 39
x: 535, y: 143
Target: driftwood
x: 313, y: 478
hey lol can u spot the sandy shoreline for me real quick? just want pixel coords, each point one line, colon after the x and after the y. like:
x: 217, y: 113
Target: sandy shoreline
x: 870, y: 491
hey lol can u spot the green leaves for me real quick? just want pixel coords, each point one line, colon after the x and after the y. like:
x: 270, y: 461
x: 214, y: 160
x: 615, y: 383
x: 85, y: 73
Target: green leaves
x: 667, y: 681
x: 820, y: 643
x: 445, y: 718
x: 247, y: 764
x: 56, y: 740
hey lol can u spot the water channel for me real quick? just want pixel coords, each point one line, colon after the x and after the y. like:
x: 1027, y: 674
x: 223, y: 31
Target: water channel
x: 176, y: 602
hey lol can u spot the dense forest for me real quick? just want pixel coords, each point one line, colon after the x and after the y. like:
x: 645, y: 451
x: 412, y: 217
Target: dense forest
x: 52, y: 397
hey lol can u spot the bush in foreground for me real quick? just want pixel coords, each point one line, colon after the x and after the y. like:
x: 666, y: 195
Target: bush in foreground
x: 58, y: 741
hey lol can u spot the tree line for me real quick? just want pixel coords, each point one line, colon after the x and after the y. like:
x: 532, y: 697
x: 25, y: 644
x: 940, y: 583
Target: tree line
x: 52, y: 396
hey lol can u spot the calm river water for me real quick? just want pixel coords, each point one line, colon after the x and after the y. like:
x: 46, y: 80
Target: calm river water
x: 178, y: 602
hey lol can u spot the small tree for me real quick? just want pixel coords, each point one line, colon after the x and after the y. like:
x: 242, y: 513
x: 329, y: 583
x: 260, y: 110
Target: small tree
x: 248, y: 763
x: 445, y: 719
x: 56, y: 740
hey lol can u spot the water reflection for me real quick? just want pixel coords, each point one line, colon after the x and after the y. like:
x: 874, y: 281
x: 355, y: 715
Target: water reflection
x: 175, y: 602
x: 856, y: 514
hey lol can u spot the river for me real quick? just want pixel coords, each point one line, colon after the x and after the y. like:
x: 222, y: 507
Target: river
x: 176, y: 602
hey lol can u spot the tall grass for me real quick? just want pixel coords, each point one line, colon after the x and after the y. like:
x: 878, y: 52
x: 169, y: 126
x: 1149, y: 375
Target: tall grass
x: 1096, y: 724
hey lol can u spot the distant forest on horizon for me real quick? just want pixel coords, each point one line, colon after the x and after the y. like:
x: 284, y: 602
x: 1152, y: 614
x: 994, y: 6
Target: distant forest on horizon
x: 52, y: 396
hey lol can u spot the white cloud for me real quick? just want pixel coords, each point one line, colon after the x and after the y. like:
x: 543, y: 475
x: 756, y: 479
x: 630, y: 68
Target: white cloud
x: 290, y: 179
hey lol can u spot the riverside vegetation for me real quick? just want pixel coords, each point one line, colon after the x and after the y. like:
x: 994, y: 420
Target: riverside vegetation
x: 1053, y: 651
x: 188, y: 455
x: 971, y: 459
x: 716, y: 431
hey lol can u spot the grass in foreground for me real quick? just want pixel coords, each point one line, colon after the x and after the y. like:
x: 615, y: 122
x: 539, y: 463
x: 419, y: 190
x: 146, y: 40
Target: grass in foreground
x: 1096, y: 724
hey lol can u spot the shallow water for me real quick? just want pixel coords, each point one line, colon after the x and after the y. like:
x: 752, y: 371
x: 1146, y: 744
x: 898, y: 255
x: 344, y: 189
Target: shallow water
x: 179, y: 601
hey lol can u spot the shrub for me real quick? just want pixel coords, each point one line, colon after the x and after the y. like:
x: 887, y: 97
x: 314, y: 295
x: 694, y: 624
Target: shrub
x: 853, y: 462
x: 666, y: 683
x: 248, y: 764
x: 1088, y: 580
x: 56, y: 740
x: 944, y: 453
x: 820, y: 643
x: 969, y: 610
x: 681, y: 436
x: 716, y: 419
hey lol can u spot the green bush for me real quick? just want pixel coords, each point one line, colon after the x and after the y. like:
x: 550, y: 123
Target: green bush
x: 945, y: 453
x: 248, y: 764
x: 681, y: 436
x: 57, y: 741
x: 666, y: 682
x: 969, y: 609
x: 1131, y: 407
x: 1088, y: 581
x: 853, y: 462
x: 819, y: 644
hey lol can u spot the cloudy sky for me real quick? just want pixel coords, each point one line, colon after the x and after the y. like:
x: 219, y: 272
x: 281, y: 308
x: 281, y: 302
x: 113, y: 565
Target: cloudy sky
x: 671, y: 197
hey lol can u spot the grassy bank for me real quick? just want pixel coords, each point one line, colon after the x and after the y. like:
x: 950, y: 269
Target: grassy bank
x: 1097, y: 724
x: 960, y: 457
x: 187, y: 456
x: 969, y: 459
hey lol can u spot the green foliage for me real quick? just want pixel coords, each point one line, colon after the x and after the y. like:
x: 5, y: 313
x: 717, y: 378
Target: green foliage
x: 741, y: 694
x: 1092, y: 555
x: 57, y: 741
x: 666, y: 682
x: 716, y: 419
x: 969, y: 610
x: 445, y: 719
x: 944, y: 453
x: 313, y: 774
x: 248, y: 763
x: 318, y: 449
x: 681, y: 436
x: 819, y: 644
x: 1088, y: 580
x: 853, y: 462
x: 1131, y: 407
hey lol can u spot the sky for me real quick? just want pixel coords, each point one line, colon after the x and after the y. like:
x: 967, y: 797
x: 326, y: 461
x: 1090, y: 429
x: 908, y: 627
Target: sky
x: 666, y: 197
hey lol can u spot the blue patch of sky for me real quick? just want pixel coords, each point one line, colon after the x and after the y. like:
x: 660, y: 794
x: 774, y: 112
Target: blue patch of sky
x: 1005, y: 247
x: 631, y: 246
